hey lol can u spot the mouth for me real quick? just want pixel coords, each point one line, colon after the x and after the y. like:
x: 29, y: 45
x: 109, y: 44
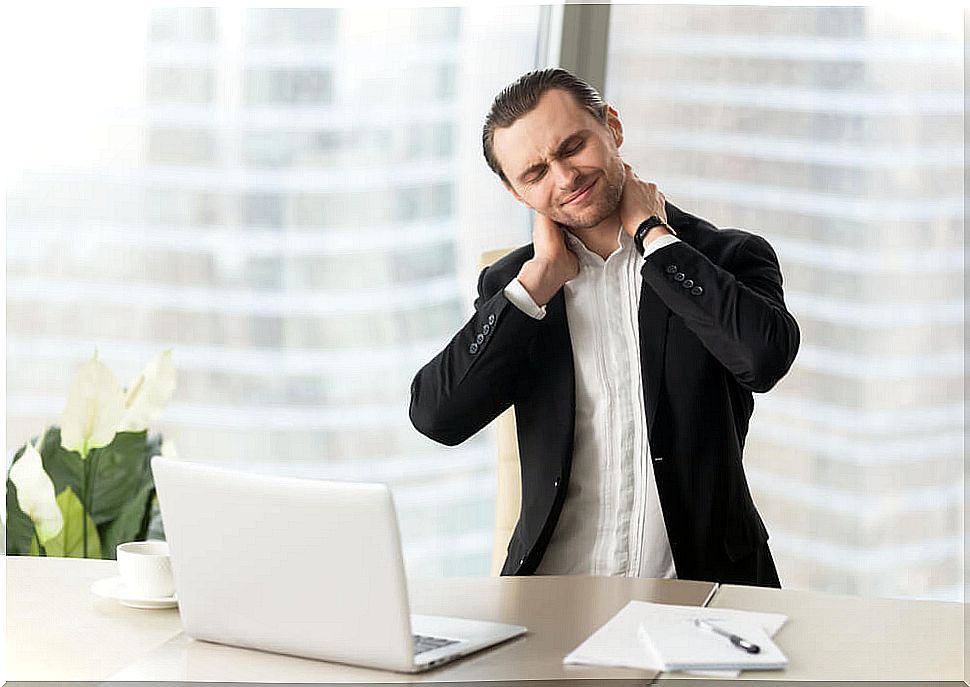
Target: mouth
x: 582, y: 194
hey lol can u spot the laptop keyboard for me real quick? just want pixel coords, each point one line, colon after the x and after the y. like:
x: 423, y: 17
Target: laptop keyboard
x: 423, y: 643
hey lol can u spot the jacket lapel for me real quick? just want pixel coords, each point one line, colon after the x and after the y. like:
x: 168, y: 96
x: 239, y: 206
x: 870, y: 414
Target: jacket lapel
x: 653, y: 341
x: 565, y: 396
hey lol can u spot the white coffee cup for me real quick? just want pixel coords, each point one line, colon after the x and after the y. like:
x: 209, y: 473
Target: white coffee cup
x: 146, y: 569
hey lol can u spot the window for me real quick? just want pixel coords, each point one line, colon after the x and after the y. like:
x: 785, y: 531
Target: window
x: 289, y: 86
x: 299, y: 218
x: 171, y: 85
x: 286, y: 27
x: 836, y: 133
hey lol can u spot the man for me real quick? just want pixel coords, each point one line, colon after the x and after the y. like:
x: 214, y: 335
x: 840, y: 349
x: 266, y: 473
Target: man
x: 629, y: 336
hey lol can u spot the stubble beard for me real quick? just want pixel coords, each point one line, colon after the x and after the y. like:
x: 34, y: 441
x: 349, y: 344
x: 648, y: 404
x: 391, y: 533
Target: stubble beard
x: 602, y: 208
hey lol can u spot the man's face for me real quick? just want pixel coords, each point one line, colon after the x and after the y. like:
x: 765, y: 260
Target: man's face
x: 563, y: 162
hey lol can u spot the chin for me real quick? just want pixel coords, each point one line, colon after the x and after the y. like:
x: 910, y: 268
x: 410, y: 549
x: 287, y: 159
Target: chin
x: 592, y: 217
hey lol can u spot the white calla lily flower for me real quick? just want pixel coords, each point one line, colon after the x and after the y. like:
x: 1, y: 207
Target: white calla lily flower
x: 95, y: 407
x: 149, y: 394
x: 35, y: 494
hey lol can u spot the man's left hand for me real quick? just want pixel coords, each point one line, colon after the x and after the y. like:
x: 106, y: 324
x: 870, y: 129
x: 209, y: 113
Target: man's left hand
x: 640, y: 200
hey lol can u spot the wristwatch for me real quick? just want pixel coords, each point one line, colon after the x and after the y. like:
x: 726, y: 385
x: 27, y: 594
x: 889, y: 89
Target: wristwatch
x: 644, y: 228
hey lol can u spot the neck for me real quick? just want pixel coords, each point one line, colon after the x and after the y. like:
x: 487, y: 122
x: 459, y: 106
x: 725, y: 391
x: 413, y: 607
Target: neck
x: 601, y: 239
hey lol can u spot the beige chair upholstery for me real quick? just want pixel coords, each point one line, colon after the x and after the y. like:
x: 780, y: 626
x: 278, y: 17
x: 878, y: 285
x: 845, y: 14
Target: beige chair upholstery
x: 508, y: 493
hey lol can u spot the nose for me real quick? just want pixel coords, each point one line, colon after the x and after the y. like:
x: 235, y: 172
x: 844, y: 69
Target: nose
x: 565, y: 174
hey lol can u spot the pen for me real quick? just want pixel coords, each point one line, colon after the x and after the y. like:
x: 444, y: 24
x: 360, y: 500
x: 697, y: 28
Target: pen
x: 736, y: 640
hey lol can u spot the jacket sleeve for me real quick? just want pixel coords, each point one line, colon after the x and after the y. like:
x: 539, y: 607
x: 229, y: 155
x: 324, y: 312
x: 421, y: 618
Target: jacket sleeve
x: 471, y: 381
x: 737, y: 310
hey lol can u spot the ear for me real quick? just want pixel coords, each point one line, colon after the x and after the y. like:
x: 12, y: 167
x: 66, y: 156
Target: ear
x: 614, y: 124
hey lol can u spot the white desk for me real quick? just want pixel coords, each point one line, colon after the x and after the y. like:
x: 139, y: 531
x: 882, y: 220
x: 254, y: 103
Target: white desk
x: 58, y: 630
x: 835, y: 637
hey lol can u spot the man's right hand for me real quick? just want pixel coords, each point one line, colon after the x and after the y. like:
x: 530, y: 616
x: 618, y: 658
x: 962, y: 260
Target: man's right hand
x: 553, y: 265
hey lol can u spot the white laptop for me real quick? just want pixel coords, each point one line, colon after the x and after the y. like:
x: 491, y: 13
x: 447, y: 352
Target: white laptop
x: 304, y: 567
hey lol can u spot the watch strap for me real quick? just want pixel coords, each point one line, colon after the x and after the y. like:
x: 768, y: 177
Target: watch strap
x: 644, y: 228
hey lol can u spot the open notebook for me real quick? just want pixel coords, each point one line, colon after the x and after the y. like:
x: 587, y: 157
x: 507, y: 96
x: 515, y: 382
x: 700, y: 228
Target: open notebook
x: 679, y: 644
x: 617, y: 643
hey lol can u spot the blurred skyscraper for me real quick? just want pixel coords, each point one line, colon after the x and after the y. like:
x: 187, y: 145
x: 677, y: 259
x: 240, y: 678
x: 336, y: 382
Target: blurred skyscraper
x: 285, y: 215
x: 294, y: 200
x: 837, y: 133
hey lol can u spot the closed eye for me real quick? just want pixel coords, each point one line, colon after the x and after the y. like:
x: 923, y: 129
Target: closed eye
x: 570, y: 147
x: 572, y: 150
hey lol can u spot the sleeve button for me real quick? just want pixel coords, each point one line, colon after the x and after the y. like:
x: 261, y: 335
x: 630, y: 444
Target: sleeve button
x: 486, y: 329
x: 480, y: 338
x: 679, y: 276
x: 671, y: 269
x: 473, y: 349
x: 697, y: 290
x: 688, y: 283
x: 491, y: 318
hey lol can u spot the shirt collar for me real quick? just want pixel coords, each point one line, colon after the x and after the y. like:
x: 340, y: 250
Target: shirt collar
x: 587, y: 256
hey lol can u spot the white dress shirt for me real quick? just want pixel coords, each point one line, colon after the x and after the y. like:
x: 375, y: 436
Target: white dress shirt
x: 611, y: 521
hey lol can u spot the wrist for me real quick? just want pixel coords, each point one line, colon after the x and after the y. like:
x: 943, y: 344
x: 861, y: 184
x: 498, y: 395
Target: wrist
x: 650, y: 229
x: 540, y: 281
x: 656, y: 233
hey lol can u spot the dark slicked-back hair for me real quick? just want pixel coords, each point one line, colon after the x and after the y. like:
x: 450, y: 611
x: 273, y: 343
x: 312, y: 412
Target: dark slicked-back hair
x: 521, y: 97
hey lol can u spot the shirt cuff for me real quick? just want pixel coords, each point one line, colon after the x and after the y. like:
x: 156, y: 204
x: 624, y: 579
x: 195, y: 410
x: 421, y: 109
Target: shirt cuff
x: 659, y: 243
x: 521, y: 299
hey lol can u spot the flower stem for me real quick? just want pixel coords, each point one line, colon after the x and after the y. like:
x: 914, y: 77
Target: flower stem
x: 90, y: 506
x: 84, y: 509
x: 40, y: 547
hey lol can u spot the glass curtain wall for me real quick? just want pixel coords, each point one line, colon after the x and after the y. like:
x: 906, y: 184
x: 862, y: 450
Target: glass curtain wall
x: 294, y: 200
x: 836, y: 133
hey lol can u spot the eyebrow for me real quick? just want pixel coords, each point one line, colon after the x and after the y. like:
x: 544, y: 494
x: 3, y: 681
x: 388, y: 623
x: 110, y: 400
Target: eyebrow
x: 560, y: 151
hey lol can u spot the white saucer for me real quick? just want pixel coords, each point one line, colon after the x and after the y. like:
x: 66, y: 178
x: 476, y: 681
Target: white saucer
x: 114, y: 588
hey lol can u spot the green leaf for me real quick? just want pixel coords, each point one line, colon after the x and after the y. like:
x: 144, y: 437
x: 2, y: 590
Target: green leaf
x: 122, y: 485
x: 65, y: 467
x: 121, y: 473
x: 129, y: 524
x: 70, y: 541
x: 20, y: 530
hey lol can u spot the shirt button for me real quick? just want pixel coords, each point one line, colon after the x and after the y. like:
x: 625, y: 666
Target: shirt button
x: 679, y: 276
x: 671, y: 269
x: 556, y: 483
x: 688, y: 283
x: 473, y: 349
x: 491, y: 318
x: 480, y: 338
x: 522, y: 561
x: 697, y: 290
x: 486, y: 329
x: 657, y: 459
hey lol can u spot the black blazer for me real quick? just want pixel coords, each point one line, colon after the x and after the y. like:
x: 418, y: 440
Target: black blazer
x: 713, y: 329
